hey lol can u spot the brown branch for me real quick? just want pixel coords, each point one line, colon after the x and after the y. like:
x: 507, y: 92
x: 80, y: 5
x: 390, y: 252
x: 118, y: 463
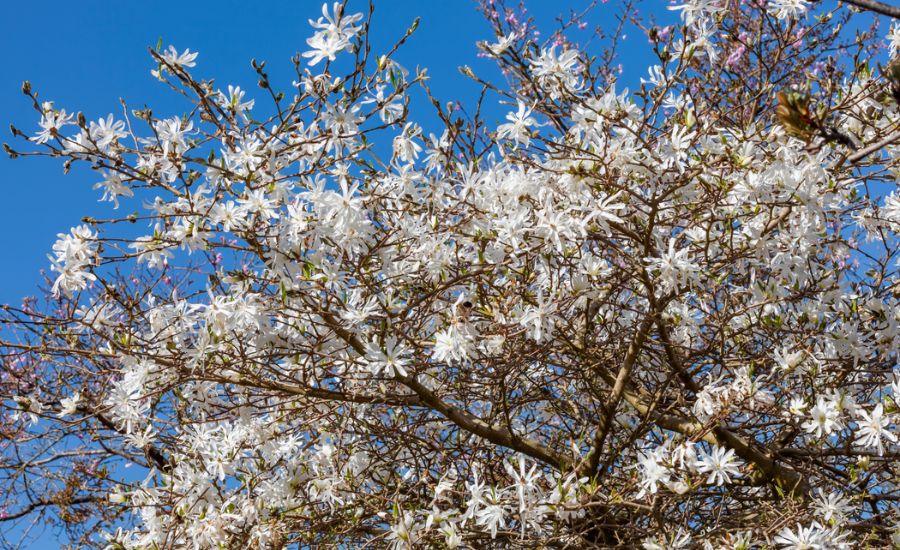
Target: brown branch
x: 473, y: 424
x: 46, y: 502
x: 875, y: 6
x: 153, y: 454
x: 322, y: 393
x: 791, y: 481
x: 863, y: 153
x: 622, y: 378
x: 463, y: 419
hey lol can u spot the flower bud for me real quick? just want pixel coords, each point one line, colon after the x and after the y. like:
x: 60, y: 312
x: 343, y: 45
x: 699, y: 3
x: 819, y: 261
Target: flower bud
x: 793, y: 114
x: 892, y: 74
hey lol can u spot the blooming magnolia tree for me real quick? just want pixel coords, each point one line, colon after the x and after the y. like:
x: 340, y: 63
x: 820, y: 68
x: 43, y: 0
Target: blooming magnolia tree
x: 665, y: 318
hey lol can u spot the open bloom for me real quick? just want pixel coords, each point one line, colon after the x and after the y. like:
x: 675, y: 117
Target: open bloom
x: 518, y: 126
x: 824, y: 418
x: 73, y: 254
x: 873, y: 429
x: 333, y: 35
x: 721, y: 465
x: 388, y: 359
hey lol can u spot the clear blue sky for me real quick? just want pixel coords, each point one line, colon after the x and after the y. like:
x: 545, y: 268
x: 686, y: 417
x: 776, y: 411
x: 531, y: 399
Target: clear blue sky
x: 87, y: 55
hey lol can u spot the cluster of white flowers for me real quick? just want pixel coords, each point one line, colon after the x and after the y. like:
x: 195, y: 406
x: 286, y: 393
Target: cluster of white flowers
x: 342, y: 328
x: 333, y: 35
x: 526, y: 502
x: 73, y: 255
x: 675, y: 465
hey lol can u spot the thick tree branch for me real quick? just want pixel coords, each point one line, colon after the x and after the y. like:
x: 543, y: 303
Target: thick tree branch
x: 866, y: 151
x: 791, y: 481
x: 622, y: 379
x: 471, y: 423
x: 877, y: 7
x: 43, y: 503
x: 461, y: 418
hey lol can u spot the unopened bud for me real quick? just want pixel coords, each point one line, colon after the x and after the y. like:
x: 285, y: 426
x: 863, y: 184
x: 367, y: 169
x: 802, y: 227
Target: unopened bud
x: 793, y: 114
x: 12, y: 154
x: 892, y: 74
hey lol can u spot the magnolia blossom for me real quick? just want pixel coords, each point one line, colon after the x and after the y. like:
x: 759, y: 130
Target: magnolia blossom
x: 388, y: 359
x: 404, y: 533
x: 69, y: 405
x: 833, y: 507
x: 824, y: 418
x: 720, y: 464
x: 558, y: 72
x: 234, y: 101
x: 894, y: 38
x: 697, y: 10
x: 73, y: 254
x: 452, y: 344
x: 51, y: 123
x: 873, y: 429
x: 405, y: 147
x: 813, y: 536
x: 503, y: 43
x: 788, y: 9
x: 334, y: 33
x: 187, y: 58
x: 518, y: 126
x: 674, y: 267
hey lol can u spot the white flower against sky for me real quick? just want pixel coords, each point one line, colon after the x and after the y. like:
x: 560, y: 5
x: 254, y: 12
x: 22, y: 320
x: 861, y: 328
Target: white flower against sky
x: 114, y: 186
x: 406, y: 148
x: 518, y: 127
x: 557, y: 71
x: 503, y: 43
x: 187, y: 58
x: 69, y: 405
x: 697, y: 10
x: 106, y: 131
x: 893, y: 38
x: 52, y: 121
x: 73, y: 254
x: 302, y: 324
x: 788, y: 9
x: 234, y: 101
x: 391, y: 106
x: 333, y: 35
